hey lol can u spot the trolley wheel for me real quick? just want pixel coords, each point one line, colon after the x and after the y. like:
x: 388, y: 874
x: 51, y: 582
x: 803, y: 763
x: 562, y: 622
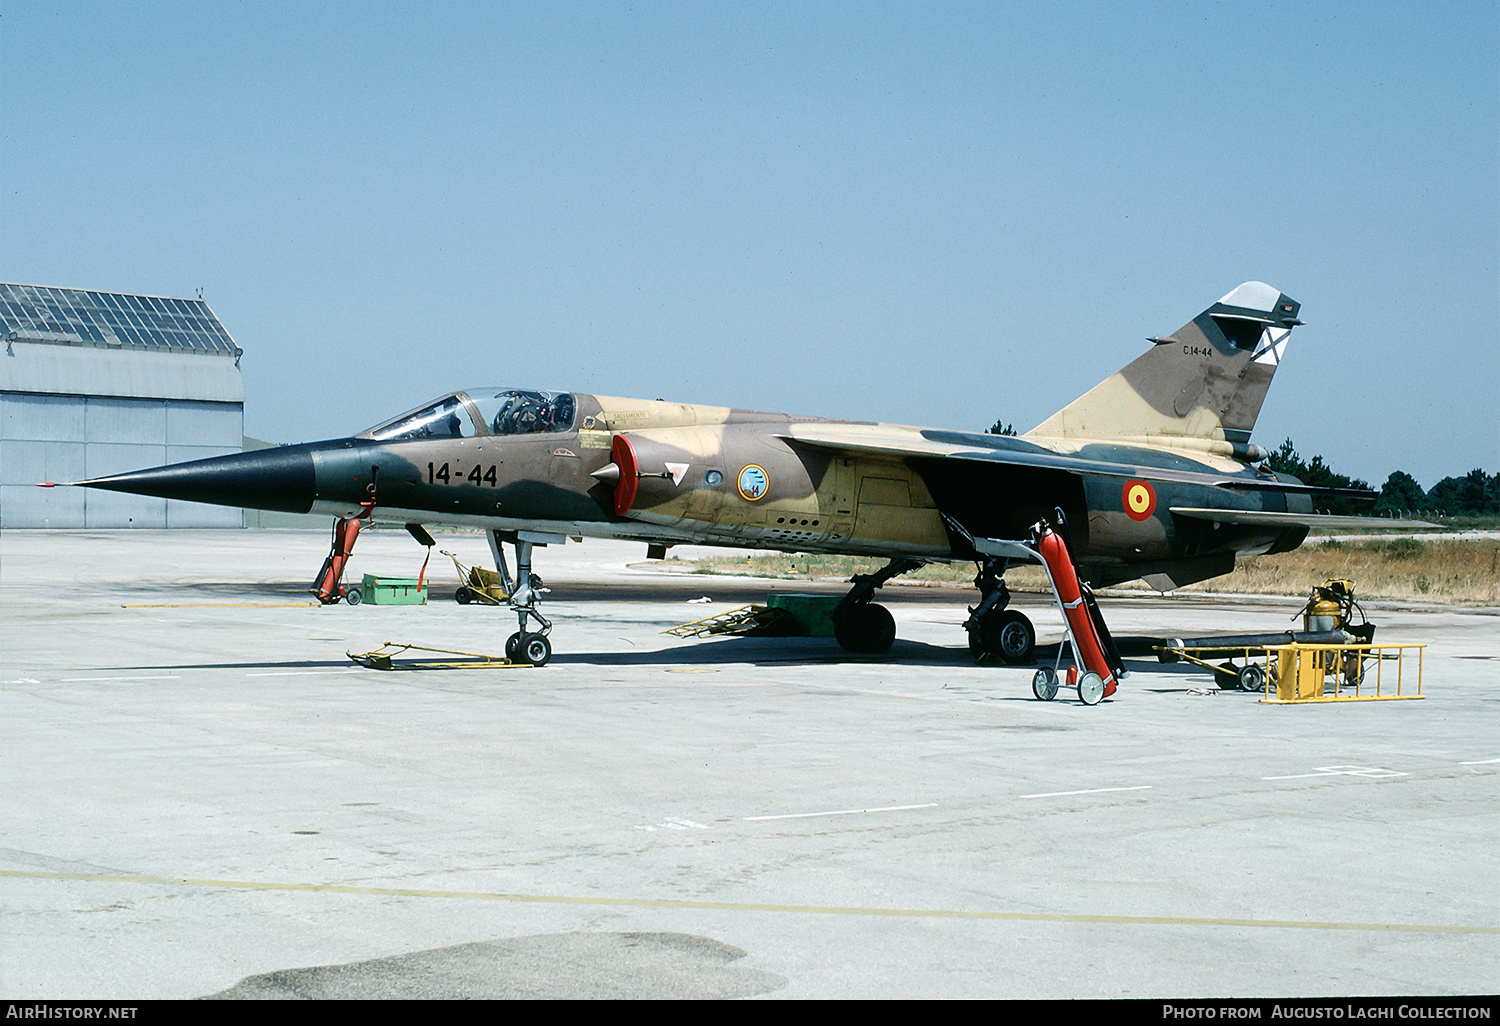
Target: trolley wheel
x: 354, y: 596
x: 513, y: 646
x: 463, y: 596
x: 1090, y: 688
x: 1044, y: 684
x: 1252, y: 678
x: 536, y: 649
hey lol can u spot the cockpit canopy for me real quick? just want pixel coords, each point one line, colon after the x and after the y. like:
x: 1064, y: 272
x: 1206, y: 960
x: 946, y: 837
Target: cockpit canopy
x: 483, y: 411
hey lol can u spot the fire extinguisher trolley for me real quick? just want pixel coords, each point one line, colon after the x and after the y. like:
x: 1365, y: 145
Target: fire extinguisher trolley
x: 1095, y: 667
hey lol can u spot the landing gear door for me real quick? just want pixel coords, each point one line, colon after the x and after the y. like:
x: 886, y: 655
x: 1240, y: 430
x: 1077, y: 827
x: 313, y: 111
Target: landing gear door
x: 836, y: 495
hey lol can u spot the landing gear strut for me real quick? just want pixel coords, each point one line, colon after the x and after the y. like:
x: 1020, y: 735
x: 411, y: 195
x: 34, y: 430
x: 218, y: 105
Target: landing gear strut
x: 524, y: 646
x: 860, y: 625
x: 993, y: 629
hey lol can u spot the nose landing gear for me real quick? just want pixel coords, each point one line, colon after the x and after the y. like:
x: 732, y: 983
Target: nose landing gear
x: 525, y: 646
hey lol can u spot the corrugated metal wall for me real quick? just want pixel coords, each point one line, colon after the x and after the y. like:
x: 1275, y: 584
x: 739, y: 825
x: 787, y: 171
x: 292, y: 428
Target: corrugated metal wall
x: 72, y: 438
x: 99, y: 383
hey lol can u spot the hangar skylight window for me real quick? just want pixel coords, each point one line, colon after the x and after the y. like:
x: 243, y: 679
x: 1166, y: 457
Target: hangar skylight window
x: 37, y: 313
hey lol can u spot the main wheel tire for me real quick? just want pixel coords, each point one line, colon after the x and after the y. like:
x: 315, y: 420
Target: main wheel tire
x: 354, y: 596
x: 536, y: 649
x: 513, y: 646
x: 868, y: 628
x: 1009, y: 636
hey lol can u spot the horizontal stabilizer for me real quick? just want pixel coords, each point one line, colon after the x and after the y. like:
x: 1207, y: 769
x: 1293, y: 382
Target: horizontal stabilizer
x: 1266, y: 519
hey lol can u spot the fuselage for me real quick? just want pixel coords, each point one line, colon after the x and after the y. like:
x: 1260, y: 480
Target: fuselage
x: 719, y: 476
x: 574, y: 465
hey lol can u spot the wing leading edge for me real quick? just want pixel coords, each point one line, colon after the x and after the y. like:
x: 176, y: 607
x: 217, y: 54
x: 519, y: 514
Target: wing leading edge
x: 848, y: 444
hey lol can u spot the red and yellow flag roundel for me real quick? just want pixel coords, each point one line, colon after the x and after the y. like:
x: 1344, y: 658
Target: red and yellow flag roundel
x: 1139, y: 499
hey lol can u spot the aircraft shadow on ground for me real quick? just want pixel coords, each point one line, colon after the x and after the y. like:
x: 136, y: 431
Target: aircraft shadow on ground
x: 727, y: 651
x: 1137, y: 655
x: 226, y: 591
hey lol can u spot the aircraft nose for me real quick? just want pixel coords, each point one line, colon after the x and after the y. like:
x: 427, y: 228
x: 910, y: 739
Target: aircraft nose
x: 281, y: 479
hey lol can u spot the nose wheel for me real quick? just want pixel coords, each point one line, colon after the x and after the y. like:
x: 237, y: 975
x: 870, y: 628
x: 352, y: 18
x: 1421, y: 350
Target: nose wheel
x: 528, y: 648
x: 526, y: 645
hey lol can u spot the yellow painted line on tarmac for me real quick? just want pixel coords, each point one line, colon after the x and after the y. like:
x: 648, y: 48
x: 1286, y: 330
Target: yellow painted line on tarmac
x: 740, y: 906
x: 212, y: 605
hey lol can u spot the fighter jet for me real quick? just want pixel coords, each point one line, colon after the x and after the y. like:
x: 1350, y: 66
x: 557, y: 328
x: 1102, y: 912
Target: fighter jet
x: 1153, y: 471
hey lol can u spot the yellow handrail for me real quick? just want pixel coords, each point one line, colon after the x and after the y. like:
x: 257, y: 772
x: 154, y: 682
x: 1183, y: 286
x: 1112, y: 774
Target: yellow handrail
x: 1320, y: 673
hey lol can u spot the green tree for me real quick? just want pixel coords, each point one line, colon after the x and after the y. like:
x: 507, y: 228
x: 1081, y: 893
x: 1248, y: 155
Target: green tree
x: 1476, y: 493
x: 1002, y: 428
x: 1401, y: 491
x: 1287, y: 460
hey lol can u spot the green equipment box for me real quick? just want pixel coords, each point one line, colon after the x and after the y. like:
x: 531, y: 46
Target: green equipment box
x: 394, y: 591
x: 809, y: 612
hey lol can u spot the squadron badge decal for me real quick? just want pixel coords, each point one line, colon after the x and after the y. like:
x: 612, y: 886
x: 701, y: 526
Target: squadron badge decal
x: 754, y: 482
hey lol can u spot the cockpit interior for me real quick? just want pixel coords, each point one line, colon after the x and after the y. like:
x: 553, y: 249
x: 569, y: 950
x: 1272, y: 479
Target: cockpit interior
x: 483, y: 411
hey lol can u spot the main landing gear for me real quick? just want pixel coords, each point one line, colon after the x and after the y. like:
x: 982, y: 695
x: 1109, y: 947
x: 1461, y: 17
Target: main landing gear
x: 994, y: 630
x: 860, y: 625
x: 524, y: 646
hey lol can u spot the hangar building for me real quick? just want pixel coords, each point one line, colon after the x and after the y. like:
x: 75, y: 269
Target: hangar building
x: 97, y: 383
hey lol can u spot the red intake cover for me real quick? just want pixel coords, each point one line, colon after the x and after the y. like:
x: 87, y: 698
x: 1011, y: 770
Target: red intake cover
x: 624, y: 456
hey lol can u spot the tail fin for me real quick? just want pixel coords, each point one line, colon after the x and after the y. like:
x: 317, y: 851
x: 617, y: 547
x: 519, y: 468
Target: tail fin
x: 1203, y: 383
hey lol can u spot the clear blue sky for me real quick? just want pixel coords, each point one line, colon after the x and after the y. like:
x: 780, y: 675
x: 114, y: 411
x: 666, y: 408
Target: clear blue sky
x: 936, y: 214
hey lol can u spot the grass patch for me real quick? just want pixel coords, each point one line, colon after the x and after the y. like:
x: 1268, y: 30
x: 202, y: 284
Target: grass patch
x: 1456, y: 571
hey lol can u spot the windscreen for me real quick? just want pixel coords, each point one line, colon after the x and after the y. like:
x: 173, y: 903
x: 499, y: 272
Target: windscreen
x: 446, y: 418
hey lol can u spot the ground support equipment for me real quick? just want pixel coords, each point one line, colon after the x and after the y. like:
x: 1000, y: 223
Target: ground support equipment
x: 744, y: 620
x: 1328, y: 623
x: 384, y: 658
x: 1095, y: 668
x: 329, y: 585
x: 1305, y: 674
x: 1249, y: 675
x: 477, y: 584
x: 1089, y: 637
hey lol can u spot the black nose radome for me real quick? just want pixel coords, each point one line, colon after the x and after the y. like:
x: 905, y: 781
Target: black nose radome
x: 280, y: 479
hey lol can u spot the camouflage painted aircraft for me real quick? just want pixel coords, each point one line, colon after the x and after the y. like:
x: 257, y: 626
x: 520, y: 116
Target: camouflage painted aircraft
x: 1153, y: 469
